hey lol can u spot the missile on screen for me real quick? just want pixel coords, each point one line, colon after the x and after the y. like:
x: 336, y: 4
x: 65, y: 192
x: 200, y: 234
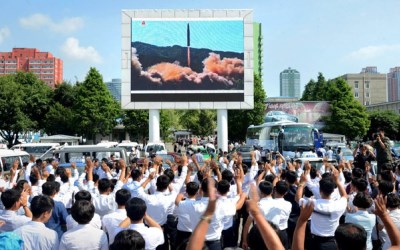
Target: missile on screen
x: 188, y: 44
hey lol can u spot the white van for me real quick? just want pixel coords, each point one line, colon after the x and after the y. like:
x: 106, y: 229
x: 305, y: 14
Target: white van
x: 107, y: 144
x: 39, y: 150
x: 7, y: 158
x: 128, y: 146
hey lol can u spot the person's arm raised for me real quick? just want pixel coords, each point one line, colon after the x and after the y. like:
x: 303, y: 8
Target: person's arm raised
x: 391, y: 229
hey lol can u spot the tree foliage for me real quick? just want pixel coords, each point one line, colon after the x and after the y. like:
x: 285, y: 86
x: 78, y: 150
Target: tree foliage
x: 96, y: 110
x: 24, y: 102
x: 348, y: 116
x: 388, y: 120
x: 200, y: 122
x: 240, y: 120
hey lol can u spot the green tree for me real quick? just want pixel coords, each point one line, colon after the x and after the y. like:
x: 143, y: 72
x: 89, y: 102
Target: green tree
x: 388, y: 120
x: 136, y: 122
x: 96, y: 110
x: 24, y: 102
x: 240, y: 120
x: 348, y: 116
x: 61, y: 117
x: 200, y: 122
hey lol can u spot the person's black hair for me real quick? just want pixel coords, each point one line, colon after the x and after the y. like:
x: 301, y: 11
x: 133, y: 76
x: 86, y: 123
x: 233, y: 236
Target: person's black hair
x: 135, y: 209
x: 357, y: 172
x: 347, y: 176
x: 393, y: 201
x: 41, y: 204
x: 327, y: 186
x: 326, y: 175
x: 135, y: 174
x: 83, y: 195
x: 104, y: 185
x: 200, y: 176
x: 245, y: 168
x: 204, y: 186
x: 307, y: 192
x: 223, y: 187
x: 350, y: 237
x: 49, y: 188
x: 266, y: 187
x: 96, y: 177
x: 104, y: 160
x: 122, y: 197
x: 64, y: 177
x: 162, y: 182
x: 49, y: 160
x: 313, y: 172
x: 10, y: 197
x: 387, y: 175
x: 20, y: 185
x: 128, y: 239
x: 192, y: 188
x: 255, y: 240
x: 291, y: 177
x: 385, y: 187
x: 170, y: 173
x: 38, y: 161
x: 362, y: 200
x: 51, y: 177
x: 59, y: 171
x: 82, y: 211
x: 360, y: 183
x: 227, y: 175
x: 269, y: 178
x: 281, y: 187
x: 33, y: 179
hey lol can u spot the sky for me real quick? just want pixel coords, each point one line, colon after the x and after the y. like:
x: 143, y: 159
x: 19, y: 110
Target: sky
x: 214, y: 35
x: 332, y: 37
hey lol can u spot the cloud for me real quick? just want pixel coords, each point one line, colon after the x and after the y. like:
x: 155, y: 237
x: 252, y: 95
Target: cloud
x: 372, y: 52
x: 40, y: 21
x: 4, y: 33
x: 73, y: 50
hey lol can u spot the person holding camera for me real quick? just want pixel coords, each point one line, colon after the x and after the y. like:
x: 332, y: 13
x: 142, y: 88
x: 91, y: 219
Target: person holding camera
x: 382, y: 146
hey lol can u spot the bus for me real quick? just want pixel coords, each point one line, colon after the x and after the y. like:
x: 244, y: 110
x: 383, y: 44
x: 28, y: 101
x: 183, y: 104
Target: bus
x: 39, y: 150
x: 283, y: 136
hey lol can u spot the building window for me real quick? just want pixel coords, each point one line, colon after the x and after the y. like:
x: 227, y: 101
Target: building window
x: 367, y: 103
x: 356, y: 94
x: 367, y: 94
x: 356, y: 84
x: 367, y: 84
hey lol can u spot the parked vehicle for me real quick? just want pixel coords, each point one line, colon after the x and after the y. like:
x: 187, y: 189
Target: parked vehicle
x: 78, y: 154
x: 155, y: 147
x: 39, y: 150
x: 275, y: 116
x: 7, y: 158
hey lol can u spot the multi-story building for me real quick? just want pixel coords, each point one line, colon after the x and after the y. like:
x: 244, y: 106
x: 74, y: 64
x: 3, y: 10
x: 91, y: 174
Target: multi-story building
x: 368, y: 86
x: 258, y: 49
x: 290, y: 83
x: 393, y: 81
x: 115, y: 88
x: 43, y: 64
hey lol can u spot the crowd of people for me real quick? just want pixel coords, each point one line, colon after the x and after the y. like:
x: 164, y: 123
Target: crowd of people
x: 215, y: 204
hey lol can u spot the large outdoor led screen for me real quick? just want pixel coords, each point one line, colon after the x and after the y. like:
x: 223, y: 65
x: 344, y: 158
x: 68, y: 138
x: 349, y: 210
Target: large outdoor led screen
x: 187, y: 60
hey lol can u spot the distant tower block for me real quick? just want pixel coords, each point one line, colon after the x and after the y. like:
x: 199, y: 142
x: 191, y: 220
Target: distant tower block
x: 188, y: 45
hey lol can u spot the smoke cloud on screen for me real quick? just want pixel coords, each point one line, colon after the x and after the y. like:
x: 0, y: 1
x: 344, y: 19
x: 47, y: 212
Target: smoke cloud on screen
x: 216, y: 72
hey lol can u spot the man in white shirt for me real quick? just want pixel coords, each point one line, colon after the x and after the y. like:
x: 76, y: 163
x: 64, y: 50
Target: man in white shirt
x: 111, y: 221
x: 105, y: 202
x: 136, y: 212
x: 161, y: 203
x: 329, y: 153
x: 12, y: 200
x: 327, y: 212
x: 34, y: 233
x: 285, y: 208
x: 199, y: 156
x: 95, y: 222
x: 83, y: 236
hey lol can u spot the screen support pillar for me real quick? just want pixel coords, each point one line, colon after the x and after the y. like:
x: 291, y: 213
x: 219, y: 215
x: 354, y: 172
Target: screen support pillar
x: 222, y: 129
x: 154, y: 125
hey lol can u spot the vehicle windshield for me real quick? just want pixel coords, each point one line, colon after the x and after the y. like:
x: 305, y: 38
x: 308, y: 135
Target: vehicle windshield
x: 155, y: 147
x: 127, y: 148
x: 36, y: 149
x: 298, y: 137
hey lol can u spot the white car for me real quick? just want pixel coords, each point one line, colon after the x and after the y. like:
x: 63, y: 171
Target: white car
x: 156, y: 147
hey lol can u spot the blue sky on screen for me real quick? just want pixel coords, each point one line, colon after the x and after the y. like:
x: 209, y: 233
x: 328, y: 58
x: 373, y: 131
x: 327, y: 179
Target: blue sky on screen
x: 214, y: 35
x: 332, y: 37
